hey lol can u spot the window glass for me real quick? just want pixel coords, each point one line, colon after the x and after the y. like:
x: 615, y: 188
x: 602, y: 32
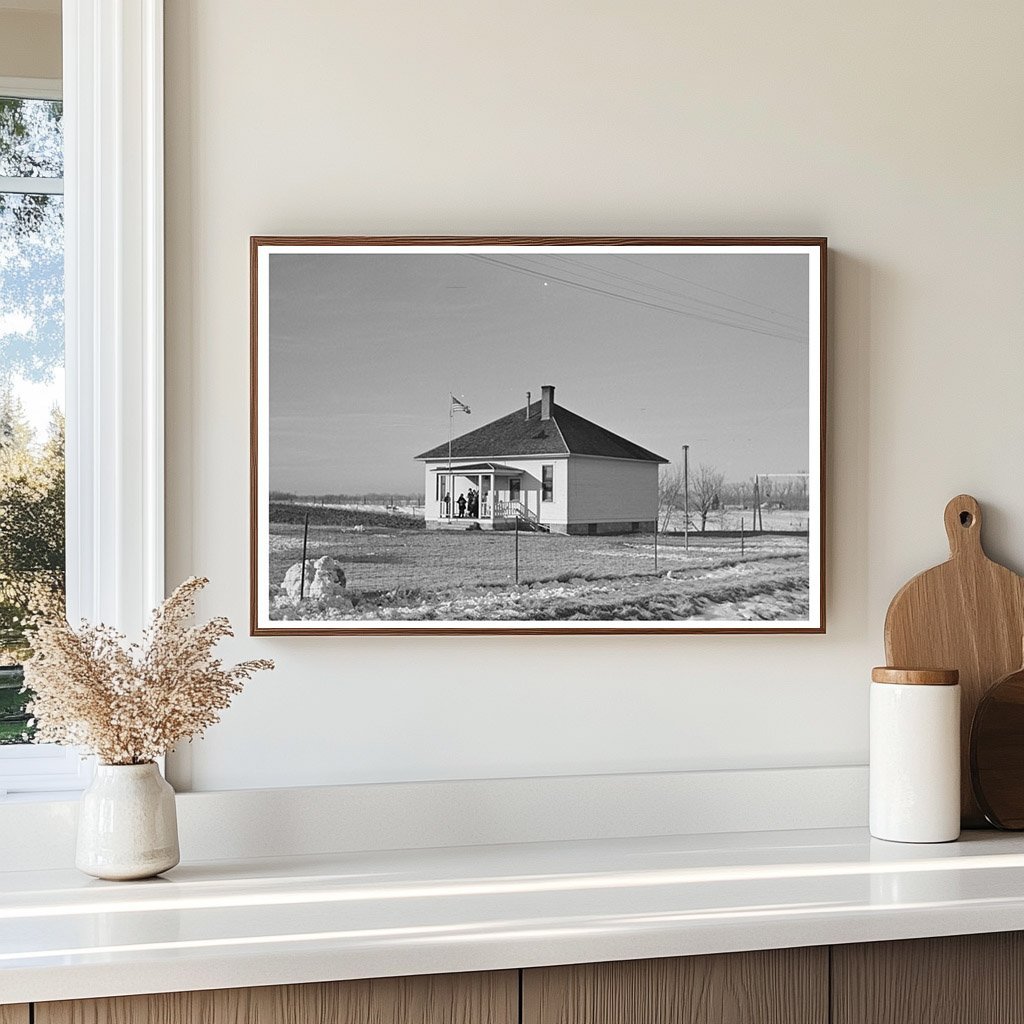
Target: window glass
x: 31, y: 386
x: 31, y: 138
x: 548, y: 483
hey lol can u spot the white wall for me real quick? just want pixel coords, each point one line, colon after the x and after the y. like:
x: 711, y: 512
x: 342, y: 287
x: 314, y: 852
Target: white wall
x: 894, y: 129
x: 612, y: 490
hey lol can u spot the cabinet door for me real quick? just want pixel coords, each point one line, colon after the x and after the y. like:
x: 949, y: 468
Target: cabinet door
x: 491, y: 998
x: 779, y: 986
x: 14, y: 1014
x: 963, y: 979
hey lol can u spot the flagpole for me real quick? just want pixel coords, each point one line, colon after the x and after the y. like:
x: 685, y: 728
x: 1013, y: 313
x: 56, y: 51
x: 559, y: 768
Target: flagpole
x: 453, y: 402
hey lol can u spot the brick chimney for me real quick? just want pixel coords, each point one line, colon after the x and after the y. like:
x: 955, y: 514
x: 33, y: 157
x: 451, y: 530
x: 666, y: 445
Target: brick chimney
x: 547, y: 401
x: 527, y: 404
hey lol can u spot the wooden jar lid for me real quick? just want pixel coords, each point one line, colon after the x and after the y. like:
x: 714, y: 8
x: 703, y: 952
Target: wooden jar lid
x: 916, y: 676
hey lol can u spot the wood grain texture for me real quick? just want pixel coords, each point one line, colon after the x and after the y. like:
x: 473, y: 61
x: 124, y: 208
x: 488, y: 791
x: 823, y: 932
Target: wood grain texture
x: 997, y: 752
x: 482, y: 998
x: 963, y: 979
x: 915, y: 676
x: 15, y: 1014
x: 967, y: 614
x: 778, y: 986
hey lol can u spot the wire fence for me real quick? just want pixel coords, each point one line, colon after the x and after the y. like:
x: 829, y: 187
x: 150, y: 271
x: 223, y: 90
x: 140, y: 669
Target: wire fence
x: 379, y: 561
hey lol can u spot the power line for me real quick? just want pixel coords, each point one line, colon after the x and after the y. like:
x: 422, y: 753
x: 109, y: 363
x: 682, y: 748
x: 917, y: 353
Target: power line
x: 739, y: 298
x: 641, y: 287
x: 636, y: 301
x: 728, y: 310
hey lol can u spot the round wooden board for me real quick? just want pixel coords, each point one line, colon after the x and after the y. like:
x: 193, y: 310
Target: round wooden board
x: 997, y: 752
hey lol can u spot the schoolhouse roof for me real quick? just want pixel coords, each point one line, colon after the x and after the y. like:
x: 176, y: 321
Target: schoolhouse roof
x: 520, y: 434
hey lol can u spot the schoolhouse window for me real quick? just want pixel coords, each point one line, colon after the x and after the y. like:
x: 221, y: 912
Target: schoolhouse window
x: 548, y: 483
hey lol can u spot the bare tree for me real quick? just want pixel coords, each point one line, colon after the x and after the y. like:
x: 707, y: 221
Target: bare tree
x: 670, y: 489
x: 734, y: 494
x: 705, y: 491
x: 790, y: 492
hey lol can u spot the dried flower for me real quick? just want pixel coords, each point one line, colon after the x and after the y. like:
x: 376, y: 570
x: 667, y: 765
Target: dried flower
x: 130, y: 703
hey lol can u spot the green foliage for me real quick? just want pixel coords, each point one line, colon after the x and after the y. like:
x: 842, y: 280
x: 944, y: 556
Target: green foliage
x: 14, y: 719
x: 31, y: 524
x: 31, y: 138
x: 31, y: 348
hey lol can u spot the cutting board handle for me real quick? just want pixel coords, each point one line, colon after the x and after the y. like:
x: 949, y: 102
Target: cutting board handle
x: 963, y: 526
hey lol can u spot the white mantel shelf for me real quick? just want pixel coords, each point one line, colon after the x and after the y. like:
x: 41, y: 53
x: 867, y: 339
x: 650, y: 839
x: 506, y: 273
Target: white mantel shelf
x: 225, y: 924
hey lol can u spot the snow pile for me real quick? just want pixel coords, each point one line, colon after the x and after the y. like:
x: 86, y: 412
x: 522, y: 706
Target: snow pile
x: 325, y: 580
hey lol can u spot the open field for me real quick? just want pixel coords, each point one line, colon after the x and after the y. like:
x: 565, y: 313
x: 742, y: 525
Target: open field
x: 345, y: 515
x: 730, y: 519
x: 412, y: 574
x: 733, y: 519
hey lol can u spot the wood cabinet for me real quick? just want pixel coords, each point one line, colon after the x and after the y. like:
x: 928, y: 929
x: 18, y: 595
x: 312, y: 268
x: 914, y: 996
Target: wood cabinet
x: 491, y: 998
x: 778, y: 986
x: 963, y: 979
x: 972, y: 979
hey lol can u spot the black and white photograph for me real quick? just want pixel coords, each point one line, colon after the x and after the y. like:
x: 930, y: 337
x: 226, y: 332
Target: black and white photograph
x: 542, y: 435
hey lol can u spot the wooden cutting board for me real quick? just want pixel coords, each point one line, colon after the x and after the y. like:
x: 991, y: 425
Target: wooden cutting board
x: 967, y: 614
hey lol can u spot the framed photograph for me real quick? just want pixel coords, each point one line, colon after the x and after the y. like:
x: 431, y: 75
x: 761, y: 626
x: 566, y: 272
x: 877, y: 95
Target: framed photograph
x: 537, y: 435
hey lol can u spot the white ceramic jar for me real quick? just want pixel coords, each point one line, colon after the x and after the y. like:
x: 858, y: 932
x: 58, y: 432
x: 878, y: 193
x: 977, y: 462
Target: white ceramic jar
x: 127, y: 823
x: 915, y: 755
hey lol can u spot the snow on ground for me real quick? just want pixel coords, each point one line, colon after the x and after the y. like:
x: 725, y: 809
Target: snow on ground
x: 439, y: 576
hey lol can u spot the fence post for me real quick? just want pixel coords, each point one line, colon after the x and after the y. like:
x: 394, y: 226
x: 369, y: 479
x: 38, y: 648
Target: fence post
x: 655, y: 543
x: 517, y: 549
x: 302, y: 579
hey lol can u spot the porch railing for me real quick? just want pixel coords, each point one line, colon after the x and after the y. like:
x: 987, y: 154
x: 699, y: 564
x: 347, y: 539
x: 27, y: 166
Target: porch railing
x: 515, y: 510
x: 485, y: 511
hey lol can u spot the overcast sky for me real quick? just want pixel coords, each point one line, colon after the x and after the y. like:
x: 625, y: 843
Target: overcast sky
x: 710, y: 350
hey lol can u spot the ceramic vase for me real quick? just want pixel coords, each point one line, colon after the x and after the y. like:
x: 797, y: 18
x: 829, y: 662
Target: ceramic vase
x: 127, y: 825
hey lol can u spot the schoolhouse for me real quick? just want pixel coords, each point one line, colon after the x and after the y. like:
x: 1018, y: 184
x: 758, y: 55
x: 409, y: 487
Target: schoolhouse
x: 542, y: 467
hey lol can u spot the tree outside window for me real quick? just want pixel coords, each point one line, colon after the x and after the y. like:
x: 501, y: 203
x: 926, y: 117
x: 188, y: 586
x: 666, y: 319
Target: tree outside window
x: 31, y: 386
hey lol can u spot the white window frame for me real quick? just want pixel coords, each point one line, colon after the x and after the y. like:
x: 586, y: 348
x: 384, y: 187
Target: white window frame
x: 114, y: 326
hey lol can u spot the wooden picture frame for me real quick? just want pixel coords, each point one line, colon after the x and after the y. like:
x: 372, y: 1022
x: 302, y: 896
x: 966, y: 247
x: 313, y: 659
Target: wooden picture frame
x: 532, y: 516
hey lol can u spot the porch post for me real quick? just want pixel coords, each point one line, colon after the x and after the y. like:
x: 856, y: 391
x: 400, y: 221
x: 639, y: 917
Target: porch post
x: 490, y: 500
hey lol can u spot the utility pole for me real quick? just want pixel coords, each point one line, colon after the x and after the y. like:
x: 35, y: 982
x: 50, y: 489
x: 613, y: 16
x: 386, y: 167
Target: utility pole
x: 686, y: 494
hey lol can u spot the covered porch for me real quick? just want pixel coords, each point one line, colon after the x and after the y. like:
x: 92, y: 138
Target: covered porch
x: 486, y: 493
